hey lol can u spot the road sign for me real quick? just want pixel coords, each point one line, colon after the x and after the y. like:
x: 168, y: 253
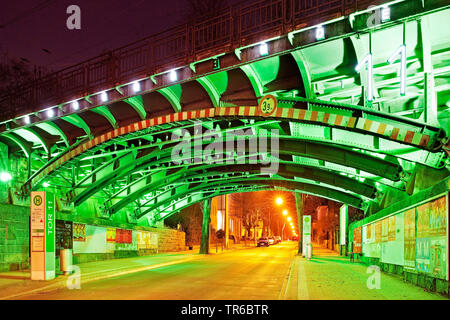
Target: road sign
x: 306, y: 233
x: 267, y: 105
x: 42, y: 233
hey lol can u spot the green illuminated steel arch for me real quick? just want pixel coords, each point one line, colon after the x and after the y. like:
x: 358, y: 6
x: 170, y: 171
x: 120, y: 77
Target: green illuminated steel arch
x: 77, y: 121
x: 104, y: 112
x: 23, y: 144
x: 53, y: 126
x: 156, y: 180
x: 240, y: 117
x: 289, y: 185
x: 42, y: 141
x: 138, y: 105
x: 211, y: 174
x: 125, y: 164
x: 199, y: 196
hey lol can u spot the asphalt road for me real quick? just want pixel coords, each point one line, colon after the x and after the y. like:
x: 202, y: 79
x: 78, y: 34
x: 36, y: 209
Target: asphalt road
x: 246, y: 274
x: 257, y: 273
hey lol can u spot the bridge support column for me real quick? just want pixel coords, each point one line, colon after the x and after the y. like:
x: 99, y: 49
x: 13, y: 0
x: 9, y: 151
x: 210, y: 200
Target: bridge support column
x: 204, y: 244
x: 299, y: 206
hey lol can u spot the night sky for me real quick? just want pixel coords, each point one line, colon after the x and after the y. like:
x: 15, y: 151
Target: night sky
x: 29, y: 28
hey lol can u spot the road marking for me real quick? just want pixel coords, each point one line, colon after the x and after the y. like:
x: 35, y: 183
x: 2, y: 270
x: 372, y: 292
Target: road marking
x: 302, y: 293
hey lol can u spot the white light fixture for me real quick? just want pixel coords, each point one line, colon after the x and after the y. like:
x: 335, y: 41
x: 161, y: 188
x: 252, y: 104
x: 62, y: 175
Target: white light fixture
x: 5, y: 176
x: 26, y: 119
x: 263, y: 49
x: 173, y: 76
x: 50, y: 113
x: 320, y: 33
x: 367, y: 60
x: 401, y: 51
x: 45, y: 184
x: 104, y: 96
x: 75, y: 105
x: 385, y: 14
x: 136, y: 86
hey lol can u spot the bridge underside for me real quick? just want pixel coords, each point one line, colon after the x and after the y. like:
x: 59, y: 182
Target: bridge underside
x: 115, y: 158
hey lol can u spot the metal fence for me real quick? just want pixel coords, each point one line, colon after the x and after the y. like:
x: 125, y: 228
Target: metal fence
x: 242, y: 24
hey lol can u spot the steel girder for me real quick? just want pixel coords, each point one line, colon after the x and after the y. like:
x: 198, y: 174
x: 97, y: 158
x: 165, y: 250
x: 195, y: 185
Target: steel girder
x: 154, y: 181
x: 38, y: 175
x: 126, y: 164
x: 286, y: 184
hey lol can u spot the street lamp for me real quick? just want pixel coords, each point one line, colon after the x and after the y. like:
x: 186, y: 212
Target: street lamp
x: 5, y: 176
x: 279, y: 201
x: 289, y: 218
x: 285, y: 212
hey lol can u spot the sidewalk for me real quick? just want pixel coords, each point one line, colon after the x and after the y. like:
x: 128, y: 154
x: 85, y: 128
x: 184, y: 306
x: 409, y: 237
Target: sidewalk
x: 332, y: 277
x: 16, y: 283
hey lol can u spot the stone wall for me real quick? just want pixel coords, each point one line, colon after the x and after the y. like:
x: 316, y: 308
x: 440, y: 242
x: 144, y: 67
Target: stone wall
x: 14, y: 240
x: 14, y: 237
x: 171, y: 240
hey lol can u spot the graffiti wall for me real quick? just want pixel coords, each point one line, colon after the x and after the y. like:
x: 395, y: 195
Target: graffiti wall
x: 431, y: 242
x: 415, y: 239
x: 146, y: 240
x: 409, y: 250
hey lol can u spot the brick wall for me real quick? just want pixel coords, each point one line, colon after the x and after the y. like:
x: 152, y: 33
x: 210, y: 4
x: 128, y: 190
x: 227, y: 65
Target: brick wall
x: 14, y: 237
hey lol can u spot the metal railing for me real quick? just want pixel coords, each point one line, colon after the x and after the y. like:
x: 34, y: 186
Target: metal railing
x: 242, y: 24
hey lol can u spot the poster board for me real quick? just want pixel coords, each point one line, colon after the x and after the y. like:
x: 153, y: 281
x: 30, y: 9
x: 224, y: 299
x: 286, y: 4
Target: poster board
x: 64, y: 236
x: 431, y: 242
x: 79, y: 232
x: 94, y: 240
x: 371, y: 248
x: 146, y: 240
x: 392, y: 249
x: 357, y: 239
x: 409, y: 250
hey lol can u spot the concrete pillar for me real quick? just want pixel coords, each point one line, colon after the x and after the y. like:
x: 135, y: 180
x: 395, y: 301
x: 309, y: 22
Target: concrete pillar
x: 299, y: 206
x: 204, y: 244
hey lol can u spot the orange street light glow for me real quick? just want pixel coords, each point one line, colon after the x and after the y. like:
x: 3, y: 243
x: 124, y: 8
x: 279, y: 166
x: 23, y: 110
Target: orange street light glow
x: 279, y: 201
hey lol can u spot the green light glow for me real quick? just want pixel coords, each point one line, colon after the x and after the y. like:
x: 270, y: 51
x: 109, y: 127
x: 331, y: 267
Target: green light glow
x: 5, y: 176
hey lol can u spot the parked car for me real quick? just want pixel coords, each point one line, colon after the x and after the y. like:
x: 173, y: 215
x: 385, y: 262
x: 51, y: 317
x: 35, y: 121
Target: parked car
x: 271, y: 240
x: 263, y: 242
x: 277, y: 239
